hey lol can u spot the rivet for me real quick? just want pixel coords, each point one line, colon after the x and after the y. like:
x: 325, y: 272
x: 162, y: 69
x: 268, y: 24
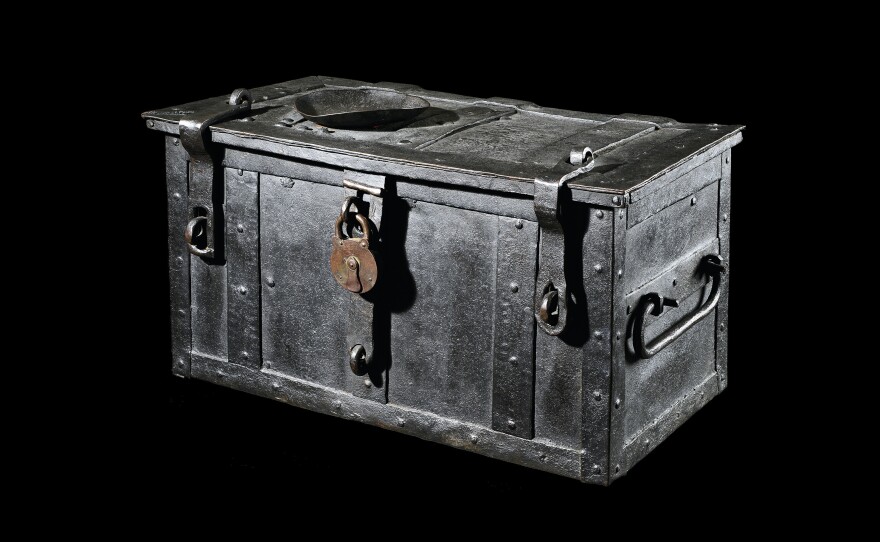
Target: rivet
x: 220, y: 374
x: 597, y: 469
x: 621, y: 214
x: 245, y: 355
x: 473, y: 439
x: 518, y: 224
x: 694, y: 200
x: 176, y: 195
x: 512, y: 360
x: 647, y: 442
x: 240, y: 228
x: 265, y: 97
x: 240, y: 172
x: 367, y: 383
x: 617, y: 336
x: 598, y: 268
x: 727, y: 159
x: 150, y: 123
x: 721, y: 326
x: 276, y: 385
x: 514, y: 287
x: 600, y: 214
x: 401, y: 422
x: 615, y: 200
x: 242, y: 290
x: 619, y: 273
x: 511, y: 424
x: 176, y: 142
x: 268, y: 364
x: 724, y: 217
x: 180, y: 259
x: 616, y: 469
x: 270, y: 281
x: 363, y: 244
x: 598, y: 335
x: 617, y: 403
x: 629, y: 309
x: 597, y: 396
x: 543, y: 458
x: 337, y: 405
x: 181, y: 312
x: 181, y: 363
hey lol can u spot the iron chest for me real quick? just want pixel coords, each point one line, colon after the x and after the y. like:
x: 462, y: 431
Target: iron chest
x: 541, y: 286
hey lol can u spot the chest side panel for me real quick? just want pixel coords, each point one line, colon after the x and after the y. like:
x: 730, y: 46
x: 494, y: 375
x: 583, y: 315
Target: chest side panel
x: 670, y: 235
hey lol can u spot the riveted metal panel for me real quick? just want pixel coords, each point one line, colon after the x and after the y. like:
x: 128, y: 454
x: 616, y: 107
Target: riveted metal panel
x: 442, y: 303
x: 657, y: 243
x: 304, y: 310
x: 598, y: 272
x: 721, y: 330
x: 655, y: 384
x: 209, y: 307
x: 685, y: 185
x: 243, y: 267
x: 617, y: 466
x: 513, y: 372
x: 178, y: 256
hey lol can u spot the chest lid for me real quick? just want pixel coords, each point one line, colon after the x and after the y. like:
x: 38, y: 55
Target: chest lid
x: 495, y: 143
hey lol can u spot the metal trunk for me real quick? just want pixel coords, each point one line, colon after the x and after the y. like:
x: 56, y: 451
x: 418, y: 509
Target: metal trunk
x: 541, y: 286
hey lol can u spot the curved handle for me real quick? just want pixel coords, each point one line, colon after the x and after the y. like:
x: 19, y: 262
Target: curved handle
x: 654, y: 304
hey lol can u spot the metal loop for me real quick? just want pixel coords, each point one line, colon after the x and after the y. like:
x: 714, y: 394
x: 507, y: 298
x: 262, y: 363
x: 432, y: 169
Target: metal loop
x: 190, y: 231
x: 653, y: 303
x: 361, y: 219
x: 239, y: 96
x: 580, y: 157
x: 358, y: 361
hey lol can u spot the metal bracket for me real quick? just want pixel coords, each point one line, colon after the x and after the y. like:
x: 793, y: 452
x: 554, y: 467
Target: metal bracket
x: 371, y: 381
x: 206, y: 195
x: 551, y: 291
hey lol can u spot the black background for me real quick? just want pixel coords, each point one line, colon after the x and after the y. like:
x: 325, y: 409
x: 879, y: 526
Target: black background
x: 195, y: 439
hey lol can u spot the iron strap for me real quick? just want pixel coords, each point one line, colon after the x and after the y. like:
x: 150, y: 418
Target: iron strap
x: 362, y: 310
x: 551, y: 291
x: 206, y: 195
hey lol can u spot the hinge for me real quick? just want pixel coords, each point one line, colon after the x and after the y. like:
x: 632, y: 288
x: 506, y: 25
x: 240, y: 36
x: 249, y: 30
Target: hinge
x: 204, y: 231
x: 551, y: 291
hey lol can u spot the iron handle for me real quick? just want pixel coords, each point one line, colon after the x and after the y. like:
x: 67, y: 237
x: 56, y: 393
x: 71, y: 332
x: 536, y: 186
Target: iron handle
x: 653, y: 303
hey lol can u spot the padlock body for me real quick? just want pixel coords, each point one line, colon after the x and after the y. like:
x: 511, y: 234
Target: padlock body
x: 359, y: 278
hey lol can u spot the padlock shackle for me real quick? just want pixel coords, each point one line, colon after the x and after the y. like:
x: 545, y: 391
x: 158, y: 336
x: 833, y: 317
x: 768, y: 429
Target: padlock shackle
x: 361, y: 219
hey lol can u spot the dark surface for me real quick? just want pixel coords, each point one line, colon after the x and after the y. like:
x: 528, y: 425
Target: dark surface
x: 186, y: 436
x: 361, y: 108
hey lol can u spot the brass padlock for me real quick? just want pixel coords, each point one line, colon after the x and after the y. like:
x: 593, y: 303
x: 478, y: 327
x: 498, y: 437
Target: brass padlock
x: 352, y: 263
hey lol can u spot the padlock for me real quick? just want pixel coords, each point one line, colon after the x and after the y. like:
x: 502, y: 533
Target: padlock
x: 353, y: 264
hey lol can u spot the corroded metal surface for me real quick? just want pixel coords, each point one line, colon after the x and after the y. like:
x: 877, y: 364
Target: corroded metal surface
x: 497, y: 300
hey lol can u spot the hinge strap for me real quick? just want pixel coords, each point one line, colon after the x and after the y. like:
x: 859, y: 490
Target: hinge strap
x: 204, y: 232
x: 551, y: 290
